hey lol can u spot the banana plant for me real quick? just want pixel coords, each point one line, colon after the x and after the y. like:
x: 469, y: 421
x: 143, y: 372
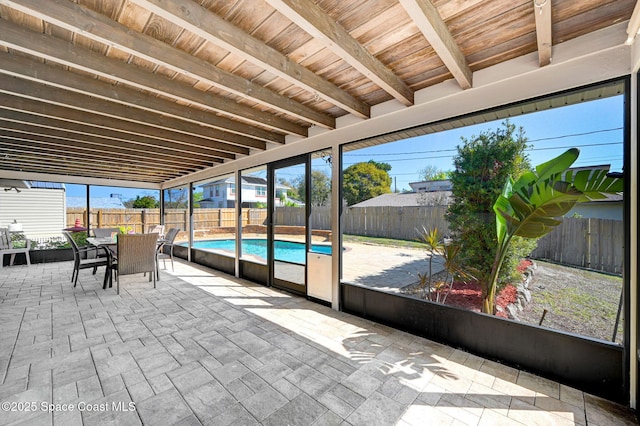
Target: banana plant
x: 533, y: 206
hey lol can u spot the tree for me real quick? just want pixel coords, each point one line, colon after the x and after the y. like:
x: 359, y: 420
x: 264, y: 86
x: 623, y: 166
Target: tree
x: 533, y: 206
x: 432, y: 173
x: 292, y: 188
x: 382, y: 166
x: 362, y: 181
x: 145, y: 202
x: 176, y: 198
x: 320, y: 188
x: 482, y: 165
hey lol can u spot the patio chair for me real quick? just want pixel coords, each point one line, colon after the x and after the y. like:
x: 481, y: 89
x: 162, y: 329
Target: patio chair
x: 105, y: 232
x: 136, y: 254
x: 168, y: 242
x: 157, y: 229
x: 8, y: 247
x: 80, y: 263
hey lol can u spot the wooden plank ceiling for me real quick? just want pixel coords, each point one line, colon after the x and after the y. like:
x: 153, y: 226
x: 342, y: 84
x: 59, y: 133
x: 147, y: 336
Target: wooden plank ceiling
x: 151, y: 90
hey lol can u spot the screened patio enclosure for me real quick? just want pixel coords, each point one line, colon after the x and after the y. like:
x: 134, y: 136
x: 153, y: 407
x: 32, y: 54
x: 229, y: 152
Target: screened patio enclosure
x: 176, y: 96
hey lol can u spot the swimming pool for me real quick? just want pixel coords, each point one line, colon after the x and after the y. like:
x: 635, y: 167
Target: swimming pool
x: 287, y: 251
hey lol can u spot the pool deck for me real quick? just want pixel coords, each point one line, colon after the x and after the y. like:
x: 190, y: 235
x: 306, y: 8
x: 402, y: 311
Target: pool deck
x: 205, y: 348
x: 385, y: 268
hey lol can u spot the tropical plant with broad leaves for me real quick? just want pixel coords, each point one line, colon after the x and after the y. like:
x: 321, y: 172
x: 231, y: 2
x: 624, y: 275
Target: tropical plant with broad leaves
x: 532, y: 206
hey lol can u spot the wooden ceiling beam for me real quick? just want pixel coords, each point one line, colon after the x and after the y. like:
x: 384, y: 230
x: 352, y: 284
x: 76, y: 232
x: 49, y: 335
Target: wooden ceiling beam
x: 102, y: 135
x: 308, y: 16
x: 426, y: 17
x: 23, y: 67
x: 216, y: 30
x: 48, y: 165
x: 17, y: 103
x: 27, y: 146
x: 59, y: 140
x: 91, y: 105
x: 73, y: 17
x: 56, y: 50
x: 542, y: 11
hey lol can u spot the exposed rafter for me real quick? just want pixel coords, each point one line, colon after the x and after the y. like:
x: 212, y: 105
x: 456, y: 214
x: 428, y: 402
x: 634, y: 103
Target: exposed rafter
x: 195, y: 88
x: 71, y: 16
x: 308, y: 16
x: 542, y: 11
x: 86, y: 104
x: 57, y: 77
x: 434, y: 29
x: 216, y: 30
x: 55, y: 50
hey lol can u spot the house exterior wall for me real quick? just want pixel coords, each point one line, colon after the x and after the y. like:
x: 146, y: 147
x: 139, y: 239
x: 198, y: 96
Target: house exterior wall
x: 27, y: 208
x: 612, y: 211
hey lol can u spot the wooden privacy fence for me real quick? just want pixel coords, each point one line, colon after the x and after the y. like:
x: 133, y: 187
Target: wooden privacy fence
x: 394, y: 222
x: 589, y: 243
x: 385, y: 222
x: 141, y: 220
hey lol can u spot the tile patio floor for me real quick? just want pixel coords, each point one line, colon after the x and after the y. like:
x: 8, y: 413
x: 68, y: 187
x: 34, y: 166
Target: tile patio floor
x: 206, y: 348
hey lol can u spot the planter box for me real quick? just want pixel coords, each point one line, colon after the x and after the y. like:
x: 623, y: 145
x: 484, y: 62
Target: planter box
x: 42, y: 256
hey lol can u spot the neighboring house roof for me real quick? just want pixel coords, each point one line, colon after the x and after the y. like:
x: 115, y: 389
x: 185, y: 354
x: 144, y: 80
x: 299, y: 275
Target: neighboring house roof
x: 254, y: 180
x: 431, y: 185
x: 407, y: 199
x: 96, y: 202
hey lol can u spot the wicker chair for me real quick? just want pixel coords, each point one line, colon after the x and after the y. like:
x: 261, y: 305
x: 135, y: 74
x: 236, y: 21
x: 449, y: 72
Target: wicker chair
x: 105, y: 232
x: 80, y: 263
x: 136, y: 254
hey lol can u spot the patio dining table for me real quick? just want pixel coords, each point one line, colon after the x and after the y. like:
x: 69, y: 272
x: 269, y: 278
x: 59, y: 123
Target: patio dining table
x: 111, y: 248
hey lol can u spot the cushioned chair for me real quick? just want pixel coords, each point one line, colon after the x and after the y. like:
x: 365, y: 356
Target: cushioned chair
x: 80, y: 263
x: 8, y: 247
x: 136, y: 254
x: 167, y: 243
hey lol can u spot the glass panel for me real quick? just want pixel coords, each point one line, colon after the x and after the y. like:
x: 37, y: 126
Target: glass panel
x: 320, y: 220
x: 214, y: 215
x: 290, y: 224
x: 131, y: 210
x: 254, y: 214
x: 400, y: 191
x: 176, y: 211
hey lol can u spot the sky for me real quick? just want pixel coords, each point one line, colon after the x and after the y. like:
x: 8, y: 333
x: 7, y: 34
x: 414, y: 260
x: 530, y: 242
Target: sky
x: 594, y: 127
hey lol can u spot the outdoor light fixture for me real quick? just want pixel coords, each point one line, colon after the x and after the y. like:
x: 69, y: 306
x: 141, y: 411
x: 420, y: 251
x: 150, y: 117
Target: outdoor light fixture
x: 634, y: 25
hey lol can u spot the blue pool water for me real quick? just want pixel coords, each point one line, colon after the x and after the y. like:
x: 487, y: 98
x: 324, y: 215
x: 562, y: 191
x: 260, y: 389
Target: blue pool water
x: 284, y: 250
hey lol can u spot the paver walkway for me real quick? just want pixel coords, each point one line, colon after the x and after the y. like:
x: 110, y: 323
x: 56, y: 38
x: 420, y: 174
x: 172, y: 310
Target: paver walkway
x: 206, y: 348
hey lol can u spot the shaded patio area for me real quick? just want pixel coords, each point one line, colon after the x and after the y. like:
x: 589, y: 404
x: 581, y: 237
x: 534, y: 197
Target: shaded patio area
x: 207, y: 348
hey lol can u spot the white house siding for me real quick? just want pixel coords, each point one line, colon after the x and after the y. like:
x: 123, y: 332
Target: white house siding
x: 40, y: 211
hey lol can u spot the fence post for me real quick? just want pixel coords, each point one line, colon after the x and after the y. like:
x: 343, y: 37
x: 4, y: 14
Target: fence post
x: 99, y: 218
x: 143, y: 219
x: 589, y: 242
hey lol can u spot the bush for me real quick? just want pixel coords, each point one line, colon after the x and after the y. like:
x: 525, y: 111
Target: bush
x: 482, y: 165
